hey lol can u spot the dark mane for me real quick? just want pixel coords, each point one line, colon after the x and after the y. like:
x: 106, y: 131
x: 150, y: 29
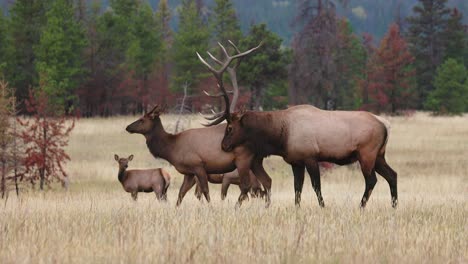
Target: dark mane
x: 266, y: 135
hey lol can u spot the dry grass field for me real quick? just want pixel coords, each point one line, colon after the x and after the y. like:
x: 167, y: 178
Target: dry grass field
x: 97, y: 222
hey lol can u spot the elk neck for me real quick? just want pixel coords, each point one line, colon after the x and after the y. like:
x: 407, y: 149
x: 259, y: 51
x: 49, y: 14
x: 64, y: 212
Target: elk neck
x: 267, y: 134
x: 159, y: 142
x: 122, y: 175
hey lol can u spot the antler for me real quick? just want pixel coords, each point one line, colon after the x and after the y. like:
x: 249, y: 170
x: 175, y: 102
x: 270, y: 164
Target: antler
x: 218, y: 74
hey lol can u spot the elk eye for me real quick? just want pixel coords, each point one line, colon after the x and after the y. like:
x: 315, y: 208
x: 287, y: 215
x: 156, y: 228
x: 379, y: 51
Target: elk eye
x: 229, y: 129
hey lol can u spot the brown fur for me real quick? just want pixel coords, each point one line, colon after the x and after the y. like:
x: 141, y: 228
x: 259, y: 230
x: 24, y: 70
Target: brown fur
x: 135, y: 181
x: 304, y: 135
x: 197, y: 152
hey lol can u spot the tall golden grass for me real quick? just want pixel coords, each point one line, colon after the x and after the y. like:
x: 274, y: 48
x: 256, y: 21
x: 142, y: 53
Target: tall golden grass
x: 97, y: 222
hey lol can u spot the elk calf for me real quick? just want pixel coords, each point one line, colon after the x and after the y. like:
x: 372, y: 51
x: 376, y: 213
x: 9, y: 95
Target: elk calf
x: 226, y: 179
x: 135, y: 181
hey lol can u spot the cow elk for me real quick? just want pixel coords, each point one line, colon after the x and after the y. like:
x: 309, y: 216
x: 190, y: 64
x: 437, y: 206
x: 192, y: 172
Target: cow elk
x: 135, y: 181
x: 197, y: 152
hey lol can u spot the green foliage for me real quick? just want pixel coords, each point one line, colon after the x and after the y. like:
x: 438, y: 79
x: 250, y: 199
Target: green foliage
x: 4, y: 44
x: 163, y: 18
x: 457, y: 38
x: 192, y: 37
x: 27, y: 19
x: 265, y: 71
x: 224, y: 24
x: 60, y: 55
x: 427, y: 41
x: 451, y: 89
x: 350, y: 57
x: 145, y: 45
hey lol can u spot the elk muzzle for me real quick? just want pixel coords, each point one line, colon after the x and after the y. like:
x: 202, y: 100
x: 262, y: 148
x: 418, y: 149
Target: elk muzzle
x: 226, y: 146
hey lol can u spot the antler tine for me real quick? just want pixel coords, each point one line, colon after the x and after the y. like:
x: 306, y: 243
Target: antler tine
x: 216, y: 95
x: 216, y: 122
x: 214, y: 58
x: 215, y: 72
x: 215, y: 116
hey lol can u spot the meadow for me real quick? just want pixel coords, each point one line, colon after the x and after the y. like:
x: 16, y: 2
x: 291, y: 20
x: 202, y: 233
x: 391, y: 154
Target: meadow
x: 95, y: 221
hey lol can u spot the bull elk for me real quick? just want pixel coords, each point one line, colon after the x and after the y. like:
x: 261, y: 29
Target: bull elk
x: 197, y: 152
x: 135, y: 181
x: 305, y: 135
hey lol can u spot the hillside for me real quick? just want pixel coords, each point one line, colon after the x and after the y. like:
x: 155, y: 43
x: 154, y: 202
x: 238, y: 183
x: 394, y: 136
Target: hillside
x: 371, y: 16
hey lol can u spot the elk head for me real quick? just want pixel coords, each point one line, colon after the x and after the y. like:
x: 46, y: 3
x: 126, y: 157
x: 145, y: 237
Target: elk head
x: 218, y: 74
x: 123, y: 162
x: 146, y: 123
x: 235, y: 134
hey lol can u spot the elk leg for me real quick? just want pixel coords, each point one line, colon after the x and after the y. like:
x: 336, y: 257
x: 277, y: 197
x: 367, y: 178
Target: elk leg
x: 159, y: 193
x: 260, y: 173
x: 390, y: 175
x: 224, y: 187
x: 135, y: 196
x: 244, y: 185
x: 188, y: 183
x: 198, y: 192
x: 314, y: 173
x: 203, y: 181
x: 298, y: 171
x: 368, y: 171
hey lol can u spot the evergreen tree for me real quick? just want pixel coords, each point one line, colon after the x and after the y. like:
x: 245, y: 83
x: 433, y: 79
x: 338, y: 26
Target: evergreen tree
x: 450, y: 95
x: 427, y: 42
x: 192, y: 37
x: 4, y: 44
x: 163, y: 17
x: 264, y: 72
x: 27, y: 19
x: 144, y: 51
x: 456, y: 37
x: 60, y: 55
x: 350, y: 57
x: 224, y: 24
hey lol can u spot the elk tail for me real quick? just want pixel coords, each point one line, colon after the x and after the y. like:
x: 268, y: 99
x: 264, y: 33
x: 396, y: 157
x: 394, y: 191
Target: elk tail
x: 386, y: 123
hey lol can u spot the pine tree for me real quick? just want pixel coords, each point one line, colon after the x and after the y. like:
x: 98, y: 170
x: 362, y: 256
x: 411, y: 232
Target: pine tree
x: 391, y: 81
x: 60, y: 61
x: 163, y: 17
x: 450, y: 95
x: 144, y: 51
x: 27, y: 19
x: 350, y: 59
x: 4, y: 44
x: 264, y: 72
x: 456, y: 37
x: 191, y: 37
x: 224, y: 24
x: 427, y: 42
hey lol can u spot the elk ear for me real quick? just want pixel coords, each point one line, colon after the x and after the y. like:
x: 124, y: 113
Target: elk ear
x: 154, y: 112
x: 130, y: 157
x: 238, y: 115
x: 116, y: 157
